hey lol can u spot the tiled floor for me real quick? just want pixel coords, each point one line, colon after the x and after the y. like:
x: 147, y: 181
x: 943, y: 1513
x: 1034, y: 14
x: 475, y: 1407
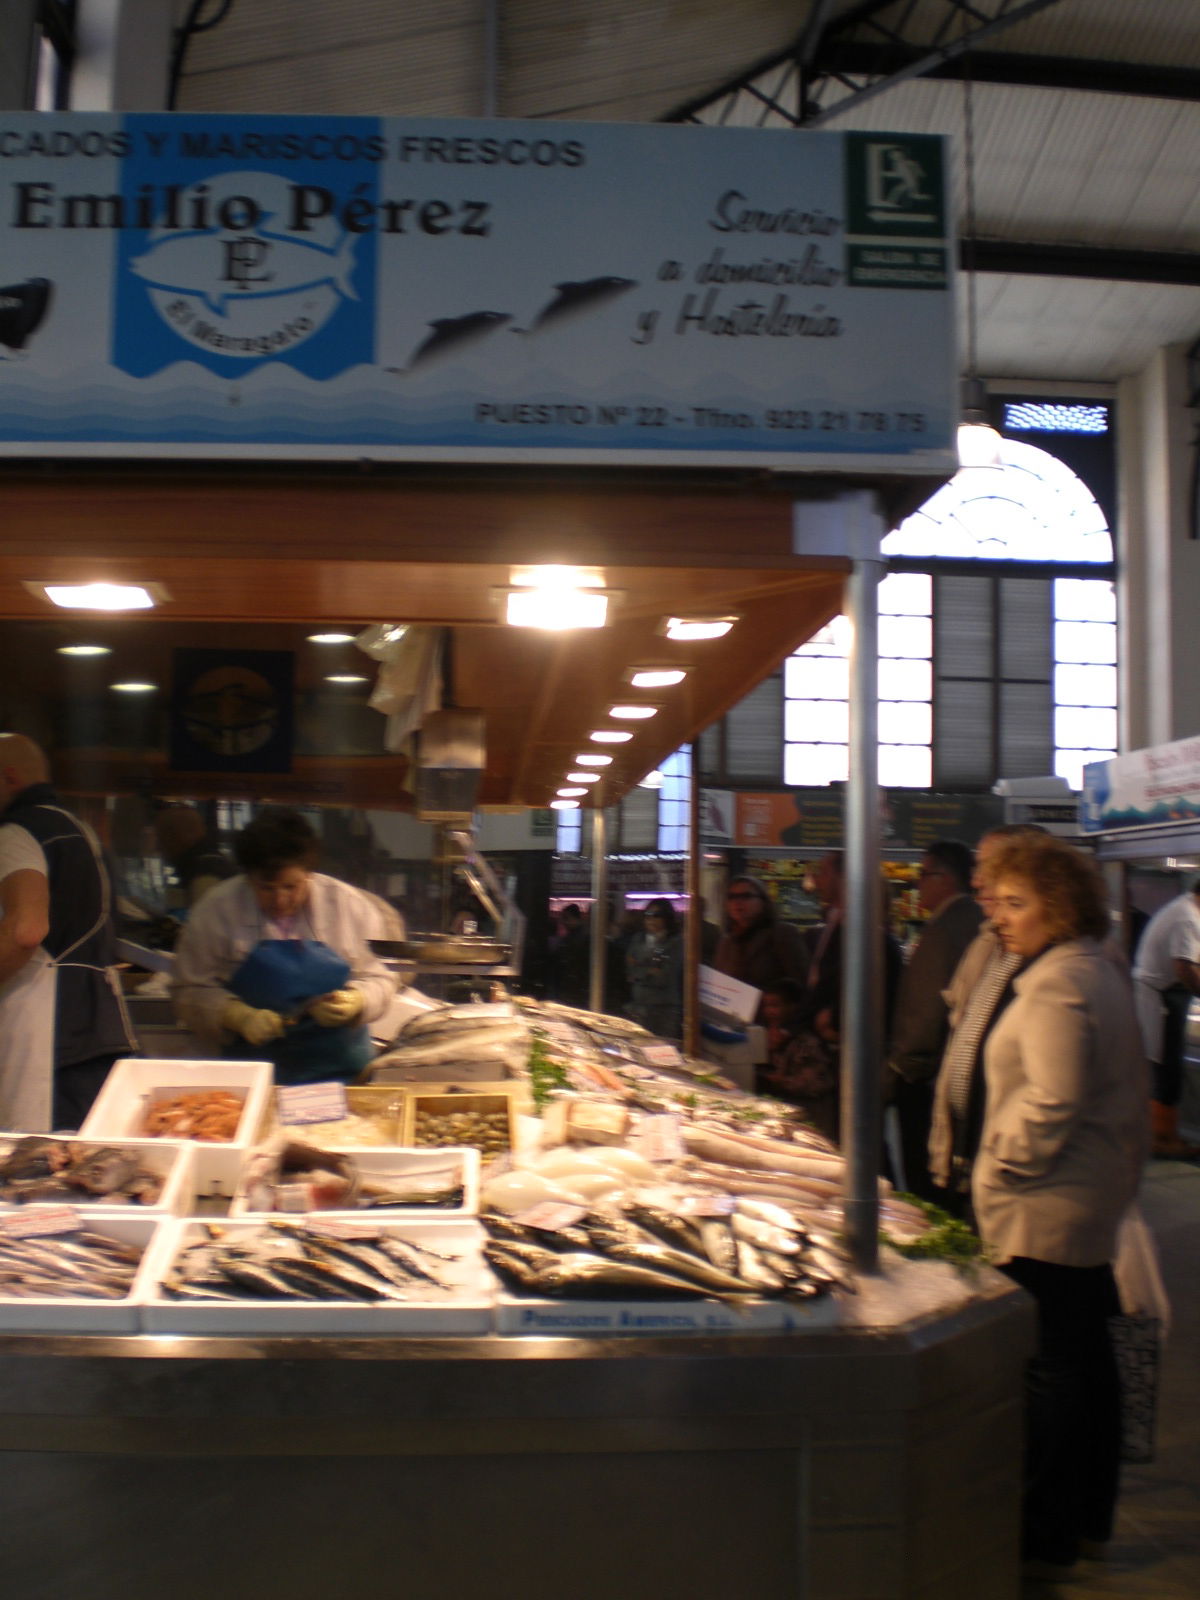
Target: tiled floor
x: 1156, y: 1551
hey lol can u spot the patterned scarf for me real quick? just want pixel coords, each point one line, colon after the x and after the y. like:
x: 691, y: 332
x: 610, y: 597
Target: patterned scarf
x: 963, y: 1049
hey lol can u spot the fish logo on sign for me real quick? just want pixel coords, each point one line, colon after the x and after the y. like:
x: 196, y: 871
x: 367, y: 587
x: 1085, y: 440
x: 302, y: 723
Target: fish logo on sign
x: 238, y: 288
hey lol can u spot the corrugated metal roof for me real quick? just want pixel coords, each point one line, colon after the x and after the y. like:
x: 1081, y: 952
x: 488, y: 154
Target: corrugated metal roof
x: 1053, y: 166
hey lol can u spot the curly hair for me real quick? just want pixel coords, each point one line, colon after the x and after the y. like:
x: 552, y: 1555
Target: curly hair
x: 278, y: 838
x: 1074, y: 899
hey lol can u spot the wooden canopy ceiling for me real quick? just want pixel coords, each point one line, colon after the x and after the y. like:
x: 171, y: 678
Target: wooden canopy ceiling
x: 254, y: 559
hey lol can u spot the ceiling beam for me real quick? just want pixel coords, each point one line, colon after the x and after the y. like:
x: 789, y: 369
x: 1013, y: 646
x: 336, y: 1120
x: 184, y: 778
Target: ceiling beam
x: 862, y: 58
x: 1080, y: 261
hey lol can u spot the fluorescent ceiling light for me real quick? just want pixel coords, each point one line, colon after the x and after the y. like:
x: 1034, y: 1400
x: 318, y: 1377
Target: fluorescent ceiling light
x: 84, y: 650
x: 632, y: 713
x: 569, y: 794
x: 564, y: 805
x: 134, y: 688
x: 344, y: 677
x: 556, y: 609
x: 656, y: 677
x: 331, y: 638
x: 552, y: 576
x: 698, y: 627
x: 583, y: 777
x: 610, y: 736
x: 100, y: 596
x: 591, y: 758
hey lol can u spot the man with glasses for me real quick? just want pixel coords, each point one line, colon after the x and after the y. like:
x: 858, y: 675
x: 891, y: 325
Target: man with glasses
x: 921, y: 1023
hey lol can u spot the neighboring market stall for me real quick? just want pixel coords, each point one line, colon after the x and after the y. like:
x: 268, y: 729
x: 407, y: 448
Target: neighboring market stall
x: 377, y: 371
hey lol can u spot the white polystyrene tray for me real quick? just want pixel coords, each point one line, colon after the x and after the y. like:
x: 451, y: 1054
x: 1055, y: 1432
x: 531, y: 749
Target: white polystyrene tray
x: 371, y: 1159
x: 92, y: 1316
x: 120, y: 1107
x: 598, y: 1319
x: 465, y: 1310
x: 170, y: 1159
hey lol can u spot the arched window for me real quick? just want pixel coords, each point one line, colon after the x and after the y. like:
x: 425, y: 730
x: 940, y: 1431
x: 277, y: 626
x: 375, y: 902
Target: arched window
x: 997, y: 639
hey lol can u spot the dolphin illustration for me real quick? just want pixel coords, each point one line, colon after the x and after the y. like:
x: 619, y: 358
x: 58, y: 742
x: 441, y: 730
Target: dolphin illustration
x: 23, y: 307
x: 454, y: 333
x: 572, y: 298
x: 218, y: 266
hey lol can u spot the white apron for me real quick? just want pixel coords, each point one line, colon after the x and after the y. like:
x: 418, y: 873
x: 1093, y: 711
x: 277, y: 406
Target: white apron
x: 27, y: 1046
x: 1148, y: 1002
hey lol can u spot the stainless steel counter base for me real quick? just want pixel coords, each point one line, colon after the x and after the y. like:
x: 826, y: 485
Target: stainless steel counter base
x: 855, y: 1465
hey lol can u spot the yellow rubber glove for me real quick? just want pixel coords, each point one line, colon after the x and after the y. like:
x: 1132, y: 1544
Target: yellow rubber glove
x: 337, y: 1009
x: 256, y: 1027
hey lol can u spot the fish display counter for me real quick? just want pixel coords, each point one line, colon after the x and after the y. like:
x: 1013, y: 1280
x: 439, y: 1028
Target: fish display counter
x: 603, y: 1309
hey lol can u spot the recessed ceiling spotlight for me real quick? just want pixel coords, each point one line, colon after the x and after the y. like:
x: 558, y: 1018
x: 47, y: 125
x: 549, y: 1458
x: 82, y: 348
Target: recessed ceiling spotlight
x: 591, y: 758
x: 556, y: 610
x: 84, y: 650
x: 344, y: 677
x: 101, y: 596
x: 331, y: 638
x: 564, y: 805
x: 698, y: 627
x: 656, y: 677
x: 133, y: 688
x: 610, y: 736
x: 569, y: 794
x: 583, y: 777
x: 632, y: 713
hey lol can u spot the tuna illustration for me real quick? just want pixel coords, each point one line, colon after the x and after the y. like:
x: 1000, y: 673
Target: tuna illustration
x: 23, y: 307
x: 572, y: 298
x: 455, y: 333
x: 218, y: 266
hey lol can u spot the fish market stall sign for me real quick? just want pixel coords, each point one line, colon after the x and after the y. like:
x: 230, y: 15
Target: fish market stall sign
x: 419, y: 290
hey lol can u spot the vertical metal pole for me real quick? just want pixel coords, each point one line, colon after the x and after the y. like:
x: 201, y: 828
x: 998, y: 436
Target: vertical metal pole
x: 862, y: 969
x: 695, y: 917
x: 599, y: 917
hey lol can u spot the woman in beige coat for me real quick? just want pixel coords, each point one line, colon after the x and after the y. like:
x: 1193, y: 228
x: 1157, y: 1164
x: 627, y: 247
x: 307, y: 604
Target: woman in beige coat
x: 1064, y: 1137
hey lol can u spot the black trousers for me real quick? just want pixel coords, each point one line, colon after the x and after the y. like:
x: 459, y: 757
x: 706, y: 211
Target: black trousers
x: 1073, y: 1410
x: 914, y: 1110
x: 1168, y: 1073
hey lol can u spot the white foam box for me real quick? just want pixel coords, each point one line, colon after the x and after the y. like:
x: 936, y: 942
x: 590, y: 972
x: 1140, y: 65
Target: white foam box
x: 600, y: 1319
x: 375, y: 1160
x: 466, y: 1308
x: 135, y: 1083
x: 169, y: 1159
x: 66, y: 1315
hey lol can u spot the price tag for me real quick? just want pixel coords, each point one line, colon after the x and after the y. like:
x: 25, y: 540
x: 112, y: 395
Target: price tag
x: 707, y: 1205
x: 312, y: 1102
x: 40, y: 1220
x: 551, y: 1216
x: 659, y: 1139
x: 661, y: 1055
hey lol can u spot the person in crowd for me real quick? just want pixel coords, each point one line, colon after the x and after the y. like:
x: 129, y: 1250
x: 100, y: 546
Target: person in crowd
x: 757, y: 947
x: 654, y: 969
x: 1166, y: 976
x: 1062, y: 1142
x: 624, y: 926
x: 274, y: 965
x: 824, y: 976
x: 920, y: 1023
x: 191, y: 851
x: 63, y: 1020
x: 570, y: 959
x: 801, y: 1067
x: 973, y: 999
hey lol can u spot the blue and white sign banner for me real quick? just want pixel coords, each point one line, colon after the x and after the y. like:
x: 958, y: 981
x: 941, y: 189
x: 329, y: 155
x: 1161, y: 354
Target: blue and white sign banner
x: 1145, y: 788
x: 269, y: 286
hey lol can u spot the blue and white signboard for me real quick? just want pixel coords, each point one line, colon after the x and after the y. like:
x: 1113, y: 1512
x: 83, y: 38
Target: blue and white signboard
x: 1143, y: 789
x: 498, y: 291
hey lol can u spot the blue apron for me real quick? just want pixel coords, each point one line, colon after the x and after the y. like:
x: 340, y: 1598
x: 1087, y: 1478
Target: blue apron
x: 283, y: 975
